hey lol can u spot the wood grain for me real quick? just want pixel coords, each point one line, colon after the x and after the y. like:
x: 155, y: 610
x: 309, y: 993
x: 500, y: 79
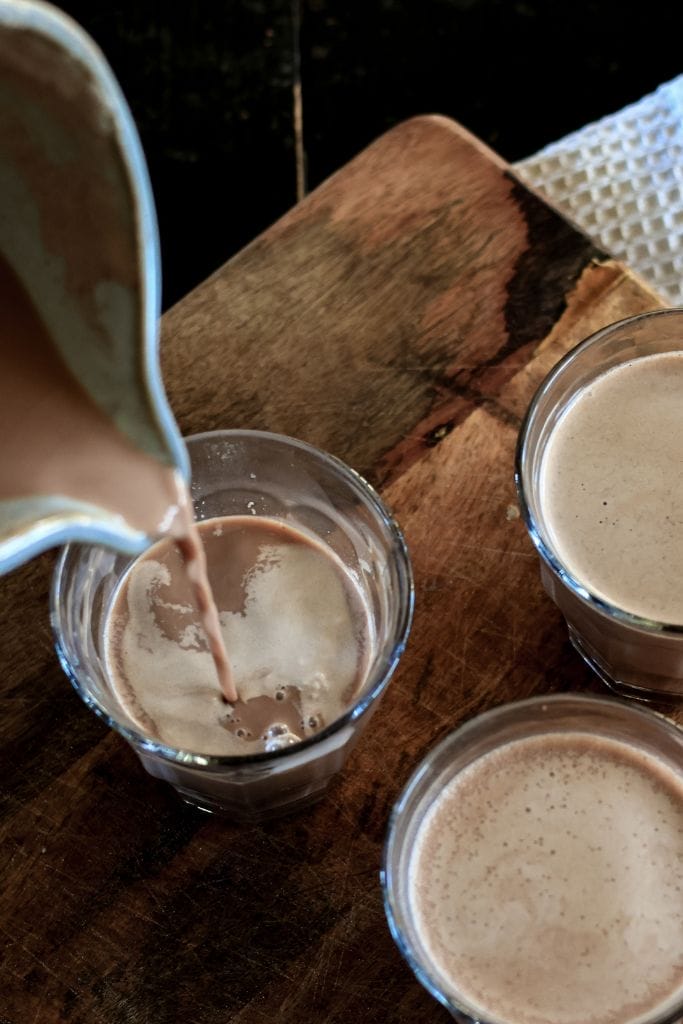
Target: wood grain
x: 401, y: 317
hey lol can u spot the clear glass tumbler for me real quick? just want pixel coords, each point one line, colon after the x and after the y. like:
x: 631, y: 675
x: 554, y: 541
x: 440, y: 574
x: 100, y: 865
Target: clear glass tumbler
x: 639, y: 728
x: 634, y: 656
x: 251, y: 473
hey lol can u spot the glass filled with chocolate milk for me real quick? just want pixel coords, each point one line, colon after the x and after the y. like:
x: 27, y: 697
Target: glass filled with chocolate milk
x: 532, y: 871
x: 600, y: 480
x: 313, y: 589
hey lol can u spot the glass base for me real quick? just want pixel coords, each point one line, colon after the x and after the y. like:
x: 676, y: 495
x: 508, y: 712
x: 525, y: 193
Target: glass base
x: 245, y: 815
x: 631, y: 691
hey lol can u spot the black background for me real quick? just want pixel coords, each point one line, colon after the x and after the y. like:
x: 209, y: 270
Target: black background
x: 210, y: 84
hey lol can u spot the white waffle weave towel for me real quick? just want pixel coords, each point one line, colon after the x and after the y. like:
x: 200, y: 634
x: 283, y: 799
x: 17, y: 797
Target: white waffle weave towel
x: 621, y: 180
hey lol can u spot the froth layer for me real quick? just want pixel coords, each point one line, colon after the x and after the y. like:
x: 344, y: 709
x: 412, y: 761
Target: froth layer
x: 546, y: 883
x: 611, y: 487
x: 295, y: 627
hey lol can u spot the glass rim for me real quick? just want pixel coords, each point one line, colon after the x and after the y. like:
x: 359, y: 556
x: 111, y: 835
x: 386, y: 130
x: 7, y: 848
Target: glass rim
x: 375, y: 684
x: 537, y: 534
x: 407, y: 949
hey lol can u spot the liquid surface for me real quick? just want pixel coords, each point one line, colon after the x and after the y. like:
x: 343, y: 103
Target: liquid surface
x: 611, y: 487
x: 546, y: 882
x: 294, y: 623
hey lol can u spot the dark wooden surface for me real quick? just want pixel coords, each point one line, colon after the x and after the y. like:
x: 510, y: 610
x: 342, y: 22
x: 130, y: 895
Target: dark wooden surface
x: 400, y: 317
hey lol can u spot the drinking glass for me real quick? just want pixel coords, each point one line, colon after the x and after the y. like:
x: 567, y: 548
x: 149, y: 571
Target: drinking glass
x: 592, y: 716
x: 635, y: 656
x: 242, y: 472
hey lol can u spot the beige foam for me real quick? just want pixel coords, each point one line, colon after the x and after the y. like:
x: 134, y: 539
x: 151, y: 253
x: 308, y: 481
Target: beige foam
x: 611, y: 487
x: 546, y: 883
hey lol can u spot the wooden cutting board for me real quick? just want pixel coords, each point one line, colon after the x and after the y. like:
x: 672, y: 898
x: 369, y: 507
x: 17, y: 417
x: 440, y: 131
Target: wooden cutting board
x: 400, y: 317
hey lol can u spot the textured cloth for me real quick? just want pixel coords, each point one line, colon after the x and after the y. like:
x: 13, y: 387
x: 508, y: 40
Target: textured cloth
x: 621, y: 181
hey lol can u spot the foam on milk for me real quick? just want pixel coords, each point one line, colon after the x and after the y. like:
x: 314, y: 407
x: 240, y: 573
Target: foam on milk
x: 294, y: 623
x: 546, y: 883
x: 611, y: 487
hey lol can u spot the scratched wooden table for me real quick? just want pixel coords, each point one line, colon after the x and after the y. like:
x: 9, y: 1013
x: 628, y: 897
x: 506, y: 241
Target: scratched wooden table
x: 400, y: 317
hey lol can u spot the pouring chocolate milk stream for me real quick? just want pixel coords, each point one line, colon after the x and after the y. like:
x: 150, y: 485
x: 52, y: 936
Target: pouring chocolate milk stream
x: 91, y: 451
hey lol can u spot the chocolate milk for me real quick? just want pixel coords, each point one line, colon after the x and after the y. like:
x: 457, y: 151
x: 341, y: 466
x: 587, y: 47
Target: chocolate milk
x: 57, y: 441
x: 293, y: 620
x: 545, y: 883
x: 611, y: 487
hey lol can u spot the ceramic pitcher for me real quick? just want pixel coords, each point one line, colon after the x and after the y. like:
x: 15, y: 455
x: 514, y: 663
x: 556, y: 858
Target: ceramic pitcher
x: 78, y: 229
